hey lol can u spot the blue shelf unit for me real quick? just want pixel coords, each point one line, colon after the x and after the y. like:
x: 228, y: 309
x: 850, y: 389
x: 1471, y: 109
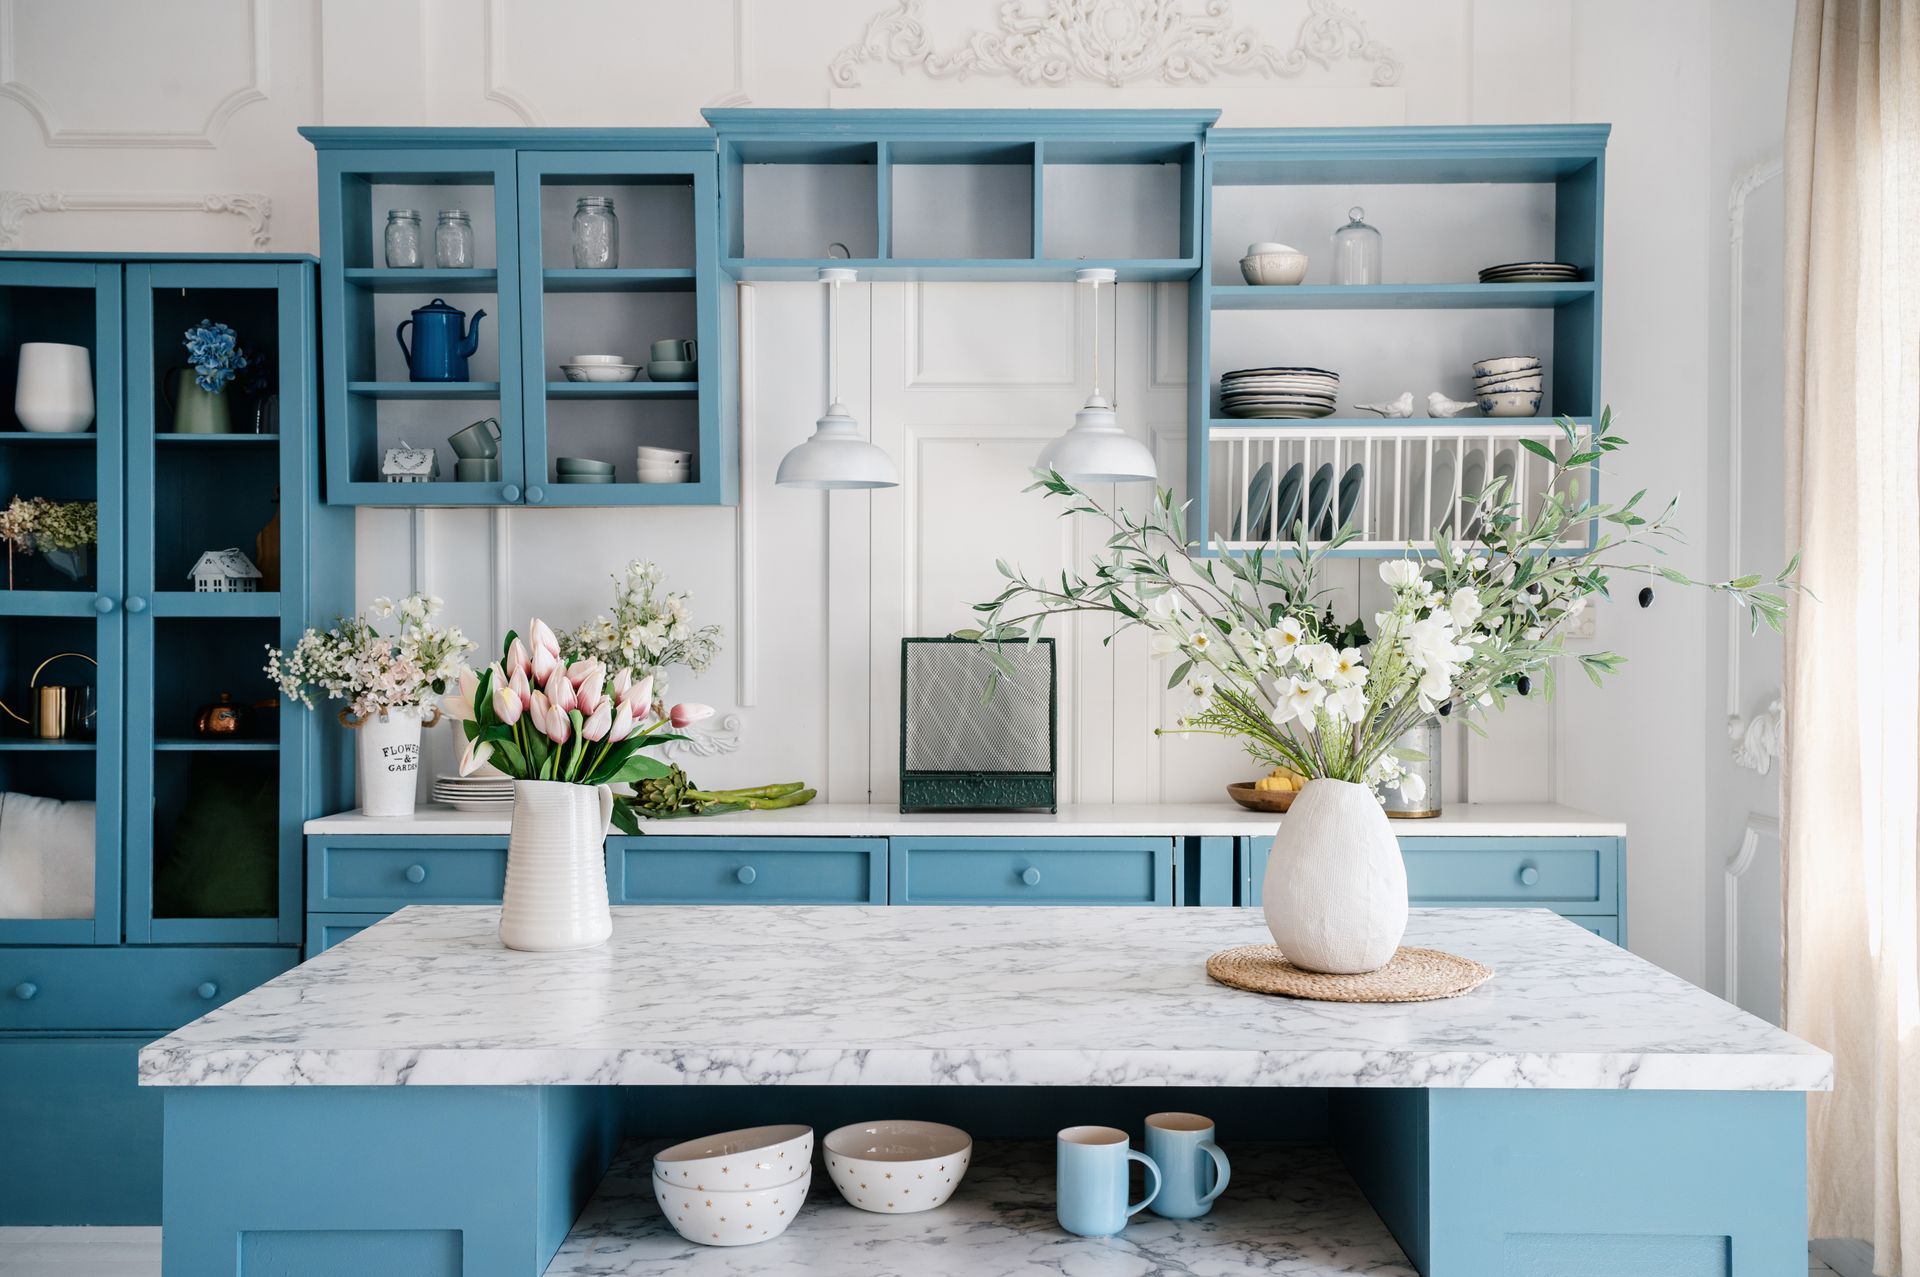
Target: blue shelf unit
x: 966, y: 195
x: 1504, y: 193
x: 519, y: 187
x: 198, y: 890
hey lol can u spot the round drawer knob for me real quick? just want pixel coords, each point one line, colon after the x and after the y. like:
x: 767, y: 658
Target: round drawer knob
x: 746, y: 875
x: 207, y: 990
x: 26, y: 990
x: 1529, y: 876
x: 1030, y: 876
x: 136, y: 604
x: 103, y: 605
x: 416, y: 873
x: 510, y: 493
x: 536, y: 494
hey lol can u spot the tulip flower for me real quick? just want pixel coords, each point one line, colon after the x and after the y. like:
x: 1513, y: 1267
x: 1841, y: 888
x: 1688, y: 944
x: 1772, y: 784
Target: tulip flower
x: 540, y: 635
x: 543, y: 665
x: 622, y: 726
x: 640, y: 695
x: 506, y: 705
x: 586, y: 670
x: 692, y: 712
x: 459, y: 706
x: 516, y: 662
x: 475, y: 757
x: 599, y: 723
x: 560, y: 693
x: 537, y: 710
x: 589, y: 696
x: 559, y: 725
x: 622, y: 680
x: 519, y: 686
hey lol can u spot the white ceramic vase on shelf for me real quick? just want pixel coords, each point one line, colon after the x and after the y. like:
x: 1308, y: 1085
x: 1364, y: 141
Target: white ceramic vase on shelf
x: 54, y: 395
x: 556, y: 894
x: 1335, y: 894
x: 388, y: 748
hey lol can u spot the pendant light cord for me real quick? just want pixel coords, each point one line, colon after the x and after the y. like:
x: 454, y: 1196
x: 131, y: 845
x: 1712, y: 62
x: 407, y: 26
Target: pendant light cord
x: 833, y: 342
x: 1096, y: 338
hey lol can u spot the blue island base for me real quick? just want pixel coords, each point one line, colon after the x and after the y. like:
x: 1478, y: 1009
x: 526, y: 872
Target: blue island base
x: 487, y: 1181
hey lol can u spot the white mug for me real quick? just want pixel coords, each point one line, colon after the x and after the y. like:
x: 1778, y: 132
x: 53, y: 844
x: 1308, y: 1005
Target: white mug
x: 54, y: 394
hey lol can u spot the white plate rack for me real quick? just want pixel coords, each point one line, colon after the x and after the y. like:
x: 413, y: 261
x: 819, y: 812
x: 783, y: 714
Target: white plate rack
x: 1396, y: 483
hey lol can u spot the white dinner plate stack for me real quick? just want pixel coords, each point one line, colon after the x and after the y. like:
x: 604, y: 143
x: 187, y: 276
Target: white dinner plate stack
x: 1531, y: 273
x: 1279, y: 392
x: 474, y: 793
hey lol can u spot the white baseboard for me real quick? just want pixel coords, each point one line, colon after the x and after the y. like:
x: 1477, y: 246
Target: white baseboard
x: 1845, y: 1255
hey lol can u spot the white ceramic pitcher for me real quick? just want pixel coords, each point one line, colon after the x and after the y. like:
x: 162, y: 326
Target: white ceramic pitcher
x: 556, y: 894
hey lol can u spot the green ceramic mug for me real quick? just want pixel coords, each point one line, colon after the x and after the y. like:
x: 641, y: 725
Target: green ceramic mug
x: 195, y: 411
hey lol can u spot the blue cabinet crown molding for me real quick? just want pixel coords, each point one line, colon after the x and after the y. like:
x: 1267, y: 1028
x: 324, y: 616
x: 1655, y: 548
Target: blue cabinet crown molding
x: 1012, y: 125
x: 347, y: 138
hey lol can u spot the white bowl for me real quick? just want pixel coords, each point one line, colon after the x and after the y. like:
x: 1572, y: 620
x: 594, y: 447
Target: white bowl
x: 600, y: 372
x: 1516, y: 403
x: 599, y: 359
x: 747, y: 1158
x: 662, y: 457
x: 1508, y: 364
x: 665, y: 476
x: 731, y: 1217
x: 1508, y: 386
x: 1285, y: 267
x: 897, y: 1167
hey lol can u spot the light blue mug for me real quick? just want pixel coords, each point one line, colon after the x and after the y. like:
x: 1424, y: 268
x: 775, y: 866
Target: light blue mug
x: 1091, y: 1180
x: 1181, y: 1145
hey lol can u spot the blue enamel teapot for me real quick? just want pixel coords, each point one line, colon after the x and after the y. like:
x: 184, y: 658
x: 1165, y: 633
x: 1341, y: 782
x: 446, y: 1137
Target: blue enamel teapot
x: 441, y: 342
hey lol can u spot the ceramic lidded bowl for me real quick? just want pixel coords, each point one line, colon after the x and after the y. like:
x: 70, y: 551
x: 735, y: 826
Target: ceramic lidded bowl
x: 1506, y: 365
x: 752, y: 1157
x: 897, y: 1167
x: 1267, y: 264
x: 731, y: 1217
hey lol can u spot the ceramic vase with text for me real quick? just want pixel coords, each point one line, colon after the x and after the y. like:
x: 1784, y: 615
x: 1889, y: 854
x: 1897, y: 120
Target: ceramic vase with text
x: 54, y: 390
x: 1336, y: 889
x: 197, y: 411
x: 388, y: 750
x: 556, y: 896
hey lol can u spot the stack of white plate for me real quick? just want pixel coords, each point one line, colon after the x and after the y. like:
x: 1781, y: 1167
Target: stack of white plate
x: 599, y: 368
x: 1511, y: 386
x: 663, y: 465
x: 1531, y: 273
x: 474, y: 793
x: 1279, y: 392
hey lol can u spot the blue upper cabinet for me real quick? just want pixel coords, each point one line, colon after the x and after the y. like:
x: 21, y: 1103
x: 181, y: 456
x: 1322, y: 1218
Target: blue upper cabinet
x: 553, y: 437
x: 978, y: 195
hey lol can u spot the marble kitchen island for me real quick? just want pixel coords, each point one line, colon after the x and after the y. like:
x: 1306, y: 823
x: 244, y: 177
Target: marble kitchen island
x: 419, y: 1100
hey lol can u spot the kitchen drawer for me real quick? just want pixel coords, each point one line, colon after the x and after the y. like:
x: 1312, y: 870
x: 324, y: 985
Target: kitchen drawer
x: 325, y: 930
x: 1607, y: 928
x: 1572, y: 875
x: 149, y: 987
x: 1031, y: 871
x: 386, y: 873
x: 787, y: 871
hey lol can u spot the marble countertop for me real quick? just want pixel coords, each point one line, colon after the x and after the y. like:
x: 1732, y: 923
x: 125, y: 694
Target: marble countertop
x: 1092, y: 820
x: 960, y: 996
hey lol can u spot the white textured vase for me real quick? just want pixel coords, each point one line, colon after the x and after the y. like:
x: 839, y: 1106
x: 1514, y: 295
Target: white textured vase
x: 54, y: 392
x: 557, y: 867
x: 389, y: 753
x: 1336, y: 889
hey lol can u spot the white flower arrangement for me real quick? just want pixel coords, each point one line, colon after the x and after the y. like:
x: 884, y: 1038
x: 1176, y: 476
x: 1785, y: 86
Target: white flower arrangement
x: 650, y: 631
x: 374, y: 673
x: 1262, y: 663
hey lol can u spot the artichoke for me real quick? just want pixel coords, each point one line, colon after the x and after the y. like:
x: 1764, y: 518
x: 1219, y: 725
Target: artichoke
x: 663, y: 794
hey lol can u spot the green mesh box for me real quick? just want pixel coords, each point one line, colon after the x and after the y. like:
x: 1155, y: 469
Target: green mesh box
x: 962, y: 750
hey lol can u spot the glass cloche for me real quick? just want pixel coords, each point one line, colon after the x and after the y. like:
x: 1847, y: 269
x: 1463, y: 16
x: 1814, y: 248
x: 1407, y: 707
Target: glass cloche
x: 1356, y: 250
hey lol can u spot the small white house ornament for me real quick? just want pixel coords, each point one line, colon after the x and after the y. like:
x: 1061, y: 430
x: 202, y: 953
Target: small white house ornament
x: 408, y: 464
x: 225, y: 572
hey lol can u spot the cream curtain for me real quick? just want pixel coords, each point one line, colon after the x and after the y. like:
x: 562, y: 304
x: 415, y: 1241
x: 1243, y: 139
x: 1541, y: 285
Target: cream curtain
x: 1851, y: 784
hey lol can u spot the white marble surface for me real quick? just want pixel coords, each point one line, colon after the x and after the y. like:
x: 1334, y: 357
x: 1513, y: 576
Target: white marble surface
x: 1008, y: 996
x: 1289, y: 1211
x: 856, y: 820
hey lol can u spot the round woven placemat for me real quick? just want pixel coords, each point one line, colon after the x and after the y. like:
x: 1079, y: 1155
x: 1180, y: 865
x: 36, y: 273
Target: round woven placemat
x: 1414, y: 975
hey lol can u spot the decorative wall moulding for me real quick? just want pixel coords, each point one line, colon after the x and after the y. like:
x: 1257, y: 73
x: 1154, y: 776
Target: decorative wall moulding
x: 1761, y: 740
x: 493, y: 34
x: 1114, y: 42
x: 15, y: 206
x: 203, y: 138
x: 724, y: 739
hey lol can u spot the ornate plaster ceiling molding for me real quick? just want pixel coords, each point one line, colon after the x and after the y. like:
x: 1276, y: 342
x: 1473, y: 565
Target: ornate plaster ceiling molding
x: 57, y: 134
x: 1114, y: 42
x: 15, y: 206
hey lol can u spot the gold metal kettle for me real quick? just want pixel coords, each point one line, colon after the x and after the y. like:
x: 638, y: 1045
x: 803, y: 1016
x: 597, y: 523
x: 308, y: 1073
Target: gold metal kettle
x: 57, y: 711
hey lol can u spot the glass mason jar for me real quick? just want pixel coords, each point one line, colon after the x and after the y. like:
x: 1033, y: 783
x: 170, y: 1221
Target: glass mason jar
x: 453, y: 240
x: 1356, y: 251
x: 403, y: 239
x: 1422, y: 738
x: 596, y: 234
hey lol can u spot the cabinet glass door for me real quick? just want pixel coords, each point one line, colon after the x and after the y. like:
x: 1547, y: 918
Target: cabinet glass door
x: 212, y: 757
x: 61, y: 632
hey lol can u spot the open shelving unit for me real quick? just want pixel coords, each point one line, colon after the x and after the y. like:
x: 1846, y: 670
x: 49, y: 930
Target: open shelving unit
x: 1448, y: 201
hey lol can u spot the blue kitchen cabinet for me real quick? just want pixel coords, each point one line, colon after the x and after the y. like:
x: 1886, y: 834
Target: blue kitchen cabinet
x: 699, y: 870
x: 197, y: 889
x: 1033, y: 871
x: 382, y: 873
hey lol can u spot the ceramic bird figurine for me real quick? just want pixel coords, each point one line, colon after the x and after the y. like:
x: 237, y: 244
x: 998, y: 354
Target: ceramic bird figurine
x: 1401, y: 407
x: 1438, y: 405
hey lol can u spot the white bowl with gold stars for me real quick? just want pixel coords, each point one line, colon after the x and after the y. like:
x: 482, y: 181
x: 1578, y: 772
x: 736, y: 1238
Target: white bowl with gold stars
x: 731, y: 1217
x: 897, y: 1167
x: 753, y: 1157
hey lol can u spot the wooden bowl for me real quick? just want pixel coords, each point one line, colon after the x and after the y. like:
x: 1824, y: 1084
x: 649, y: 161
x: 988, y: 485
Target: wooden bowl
x: 1273, y: 800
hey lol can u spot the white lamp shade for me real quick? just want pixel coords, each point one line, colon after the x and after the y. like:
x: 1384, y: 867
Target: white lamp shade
x: 1097, y: 450
x: 836, y: 457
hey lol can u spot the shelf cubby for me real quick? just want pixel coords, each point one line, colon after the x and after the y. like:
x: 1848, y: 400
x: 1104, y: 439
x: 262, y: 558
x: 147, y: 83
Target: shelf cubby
x: 422, y: 281
x: 954, y: 200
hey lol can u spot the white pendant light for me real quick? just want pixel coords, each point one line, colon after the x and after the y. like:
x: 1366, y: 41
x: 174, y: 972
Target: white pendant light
x: 836, y: 456
x: 1096, y: 449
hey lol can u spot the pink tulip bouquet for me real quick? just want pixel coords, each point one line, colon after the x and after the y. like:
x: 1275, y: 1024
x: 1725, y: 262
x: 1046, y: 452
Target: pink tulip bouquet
x: 533, y: 716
